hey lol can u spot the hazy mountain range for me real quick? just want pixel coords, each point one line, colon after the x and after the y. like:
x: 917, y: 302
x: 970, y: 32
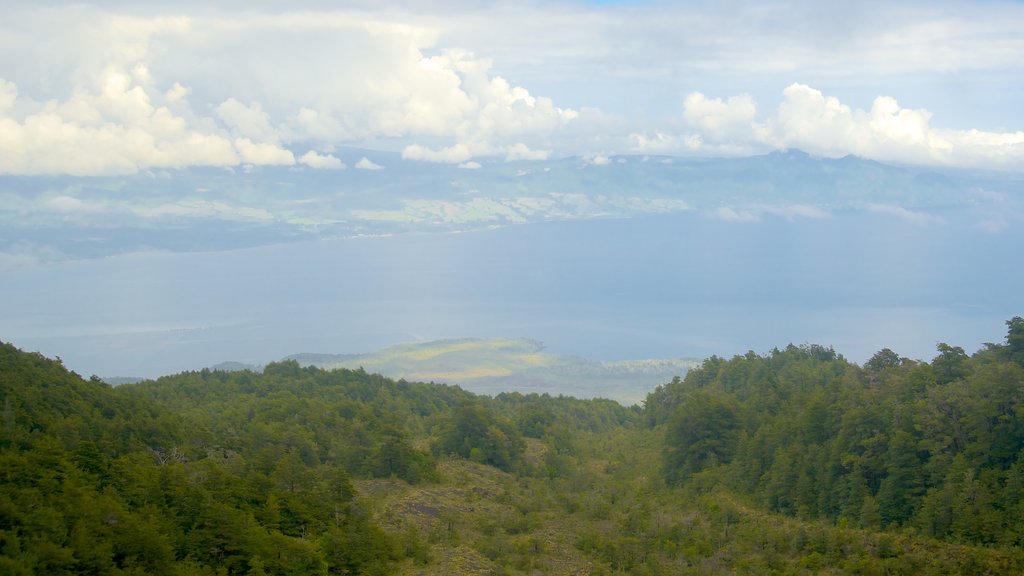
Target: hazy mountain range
x: 201, y: 209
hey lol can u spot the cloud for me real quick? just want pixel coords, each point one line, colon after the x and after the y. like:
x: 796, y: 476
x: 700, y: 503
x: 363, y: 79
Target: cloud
x: 731, y: 215
x: 222, y: 90
x: 365, y: 163
x: 321, y: 161
x: 8, y: 94
x: 753, y: 213
x: 794, y: 211
x: 809, y: 120
x: 115, y: 127
x: 721, y: 121
x: 910, y: 216
x: 470, y: 165
x: 662, y: 143
x: 114, y: 89
x: 24, y: 255
x: 249, y: 121
x: 520, y: 151
x: 997, y: 210
x: 263, y: 153
x: 456, y: 154
x: 64, y: 204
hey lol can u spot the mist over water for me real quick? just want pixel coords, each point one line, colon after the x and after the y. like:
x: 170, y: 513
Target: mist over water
x: 681, y: 285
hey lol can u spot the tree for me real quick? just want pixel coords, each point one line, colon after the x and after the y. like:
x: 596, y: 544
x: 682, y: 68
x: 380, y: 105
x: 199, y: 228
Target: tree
x: 704, y: 432
x: 1015, y: 340
x: 951, y: 364
x: 901, y: 487
x: 882, y: 360
x: 475, y: 432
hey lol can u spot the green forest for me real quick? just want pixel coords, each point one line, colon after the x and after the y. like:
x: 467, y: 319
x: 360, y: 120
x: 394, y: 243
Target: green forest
x: 796, y: 461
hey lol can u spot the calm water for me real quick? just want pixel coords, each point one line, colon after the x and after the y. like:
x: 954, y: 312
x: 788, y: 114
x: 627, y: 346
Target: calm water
x: 665, y: 286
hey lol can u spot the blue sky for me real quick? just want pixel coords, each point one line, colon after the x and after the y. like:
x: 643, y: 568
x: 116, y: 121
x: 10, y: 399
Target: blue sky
x: 110, y: 87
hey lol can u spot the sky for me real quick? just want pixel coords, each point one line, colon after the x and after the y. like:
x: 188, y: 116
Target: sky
x: 121, y: 87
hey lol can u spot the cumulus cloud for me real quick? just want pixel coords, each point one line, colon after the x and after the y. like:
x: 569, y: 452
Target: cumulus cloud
x: 365, y: 163
x: 520, y: 151
x: 117, y: 90
x: 249, y: 121
x: 662, y: 143
x: 262, y: 152
x: 457, y: 154
x: 211, y: 89
x: 115, y: 127
x: 809, y: 120
x: 720, y: 120
x: 313, y: 159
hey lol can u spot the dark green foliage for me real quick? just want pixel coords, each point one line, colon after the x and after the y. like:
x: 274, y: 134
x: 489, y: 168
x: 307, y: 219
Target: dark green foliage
x: 884, y: 359
x: 1014, y: 350
x: 107, y: 481
x: 896, y: 444
x: 702, y: 433
x: 951, y: 364
x: 794, y: 462
x: 473, y: 432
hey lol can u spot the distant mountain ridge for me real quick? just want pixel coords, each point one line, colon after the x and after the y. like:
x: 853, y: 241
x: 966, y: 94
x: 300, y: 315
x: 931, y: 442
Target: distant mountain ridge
x: 495, y: 365
x: 203, y: 209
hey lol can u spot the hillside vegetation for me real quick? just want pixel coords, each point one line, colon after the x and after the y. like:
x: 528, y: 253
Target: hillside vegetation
x: 792, y: 462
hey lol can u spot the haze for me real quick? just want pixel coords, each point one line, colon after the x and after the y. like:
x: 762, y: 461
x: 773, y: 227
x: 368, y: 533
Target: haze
x: 183, y: 184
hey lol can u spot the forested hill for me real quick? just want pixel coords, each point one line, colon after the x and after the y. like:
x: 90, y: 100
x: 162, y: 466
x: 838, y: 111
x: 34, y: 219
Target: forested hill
x: 796, y: 461
x: 935, y: 448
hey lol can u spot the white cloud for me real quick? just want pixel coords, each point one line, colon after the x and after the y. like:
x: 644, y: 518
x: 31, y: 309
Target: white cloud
x: 753, y: 213
x: 910, y: 216
x: 732, y: 215
x: 176, y: 93
x: 115, y: 126
x: 822, y: 125
x: 794, y: 211
x: 134, y: 85
x: 262, y: 153
x: 115, y: 89
x: 470, y: 165
x: 64, y: 204
x: 456, y: 154
x: 249, y: 121
x: 721, y: 121
x: 8, y: 94
x: 365, y: 163
x: 520, y: 151
x: 662, y: 143
x: 321, y: 161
